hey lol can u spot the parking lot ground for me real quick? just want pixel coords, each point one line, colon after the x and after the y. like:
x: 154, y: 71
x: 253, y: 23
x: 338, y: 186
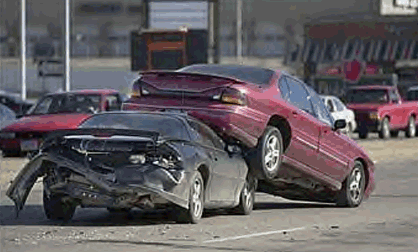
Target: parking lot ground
x: 388, y: 221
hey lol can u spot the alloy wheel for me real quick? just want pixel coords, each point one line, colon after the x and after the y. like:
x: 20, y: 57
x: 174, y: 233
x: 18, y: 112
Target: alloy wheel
x: 272, y: 153
x: 355, y: 187
x: 197, y: 204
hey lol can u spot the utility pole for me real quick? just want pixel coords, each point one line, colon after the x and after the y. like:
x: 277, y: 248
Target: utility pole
x: 67, y: 46
x: 239, y: 31
x: 23, y: 50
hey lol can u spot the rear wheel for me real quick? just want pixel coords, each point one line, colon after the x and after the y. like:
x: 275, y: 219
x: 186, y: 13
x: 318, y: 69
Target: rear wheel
x: 247, y: 197
x: 56, y: 209
x: 196, y: 202
x: 352, y: 191
x: 384, y: 132
x: 411, y: 130
x: 267, y: 159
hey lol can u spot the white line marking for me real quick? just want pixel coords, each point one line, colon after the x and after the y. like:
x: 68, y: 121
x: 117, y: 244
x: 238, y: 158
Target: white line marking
x: 254, y: 235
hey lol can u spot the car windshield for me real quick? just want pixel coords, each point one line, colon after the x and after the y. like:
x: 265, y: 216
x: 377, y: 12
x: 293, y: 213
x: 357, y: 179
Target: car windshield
x: 412, y: 95
x: 166, y: 126
x: 251, y: 74
x: 367, y: 96
x: 67, y: 103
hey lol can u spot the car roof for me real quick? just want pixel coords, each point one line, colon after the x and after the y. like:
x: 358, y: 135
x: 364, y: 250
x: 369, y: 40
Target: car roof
x: 87, y: 91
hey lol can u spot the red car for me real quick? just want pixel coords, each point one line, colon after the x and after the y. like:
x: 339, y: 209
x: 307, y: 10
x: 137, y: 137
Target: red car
x: 57, y: 111
x: 381, y: 109
x: 290, y: 140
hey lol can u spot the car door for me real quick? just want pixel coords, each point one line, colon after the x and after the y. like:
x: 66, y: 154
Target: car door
x: 223, y: 172
x: 398, y: 112
x: 334, y: 148
x: 305, y: 142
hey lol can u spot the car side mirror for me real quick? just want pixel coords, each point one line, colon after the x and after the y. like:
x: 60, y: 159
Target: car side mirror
x: 233, y: 149
x: 340, y: 124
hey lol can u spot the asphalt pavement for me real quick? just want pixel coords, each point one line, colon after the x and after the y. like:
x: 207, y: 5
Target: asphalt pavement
x: 387, y: 221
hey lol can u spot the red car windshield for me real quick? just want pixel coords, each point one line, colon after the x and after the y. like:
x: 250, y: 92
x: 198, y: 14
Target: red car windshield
x: 367, y: 96
x: 67, y: 103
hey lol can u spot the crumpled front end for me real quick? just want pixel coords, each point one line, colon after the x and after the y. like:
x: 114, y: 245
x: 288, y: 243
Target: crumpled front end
x: 116, y: 175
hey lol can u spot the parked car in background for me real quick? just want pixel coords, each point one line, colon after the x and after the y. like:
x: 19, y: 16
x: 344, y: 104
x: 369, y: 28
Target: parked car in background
x: 290, y: 140
x: 15, y: 103
x: 339, y: 111
x: 381, y: 109
x: 122, y: 160
x: 7, y: 116
x: 57, y: 111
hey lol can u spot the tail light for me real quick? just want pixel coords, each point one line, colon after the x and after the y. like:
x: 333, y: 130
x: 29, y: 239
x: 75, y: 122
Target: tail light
x: 232, y: 96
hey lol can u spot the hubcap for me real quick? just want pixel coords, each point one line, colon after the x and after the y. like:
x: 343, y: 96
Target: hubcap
x: 412, y: 126
x: 355, y: 185
x: 247, y: 195
x: 386, y: 129
x: 196, y: 198
x: 272, y: 153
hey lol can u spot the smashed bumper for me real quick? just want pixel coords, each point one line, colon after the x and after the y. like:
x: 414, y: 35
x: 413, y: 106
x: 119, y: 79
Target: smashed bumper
x: 129, y: 186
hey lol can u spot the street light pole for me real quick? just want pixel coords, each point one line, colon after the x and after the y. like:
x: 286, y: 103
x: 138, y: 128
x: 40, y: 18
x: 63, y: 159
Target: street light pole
x: 239, y: 31
x: 23, y: 50
x: 67, y: 46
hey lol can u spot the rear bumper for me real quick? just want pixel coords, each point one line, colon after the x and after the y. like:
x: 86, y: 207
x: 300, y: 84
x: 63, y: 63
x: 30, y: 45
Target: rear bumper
x: 227, y: 121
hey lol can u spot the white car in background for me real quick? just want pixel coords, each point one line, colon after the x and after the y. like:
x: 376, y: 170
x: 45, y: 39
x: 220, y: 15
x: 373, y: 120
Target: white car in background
x: 340, y: 111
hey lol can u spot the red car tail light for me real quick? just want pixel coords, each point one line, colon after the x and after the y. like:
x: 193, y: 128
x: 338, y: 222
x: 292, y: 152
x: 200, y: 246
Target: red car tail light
x: 233, y: 96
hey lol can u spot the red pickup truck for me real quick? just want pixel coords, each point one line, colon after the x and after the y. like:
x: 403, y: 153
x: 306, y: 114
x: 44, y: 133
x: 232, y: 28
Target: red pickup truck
x: 381, y: 109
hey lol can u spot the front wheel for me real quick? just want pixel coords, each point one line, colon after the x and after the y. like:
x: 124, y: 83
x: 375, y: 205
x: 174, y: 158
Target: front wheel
x: 196, y: 201
x: 384, y: 132
x: 352, y: 191
x: 267, y: 159
x: 56, y: 209
x: 411, y: 130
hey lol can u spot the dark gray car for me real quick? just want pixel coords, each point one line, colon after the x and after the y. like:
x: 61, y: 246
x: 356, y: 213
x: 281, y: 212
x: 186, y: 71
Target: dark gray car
x: 122, y: 160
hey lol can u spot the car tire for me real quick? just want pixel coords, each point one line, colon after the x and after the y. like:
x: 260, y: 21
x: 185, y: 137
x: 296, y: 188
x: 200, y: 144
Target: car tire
x: 394, y: 133
x: 363, y: 134
x: 352, y: 191
x: 270, y: 144
x: 384, y: 132
x: 196, y: 202
x: 247, y: 197
x: 411, y: 130
x: 56, y: 209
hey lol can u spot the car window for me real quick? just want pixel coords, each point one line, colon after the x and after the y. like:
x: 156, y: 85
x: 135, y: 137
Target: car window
x: 43, y: 106
x: 340, y: 106
x: 200, y: 135
x: 393, y: 96
x: 321, y: 111
x: 412, y: 95
x: 298, y: 96
x: 206, y: 135
x: 112, y: 102
x: 284, y: 89
x: 330, y: 106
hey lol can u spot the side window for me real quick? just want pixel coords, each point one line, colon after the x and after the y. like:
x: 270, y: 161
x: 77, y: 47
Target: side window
x: 284, y: 89
x: 200, y: 135
x: 393, y: 96
x: 330, y: 106
x: 112, y: 102
x: 321, y: 111
x: 299, y: 96
x: 43, y: 106
x: 340, y: 106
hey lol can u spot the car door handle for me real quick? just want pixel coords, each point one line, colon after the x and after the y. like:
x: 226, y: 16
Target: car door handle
x: 295, y: 114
